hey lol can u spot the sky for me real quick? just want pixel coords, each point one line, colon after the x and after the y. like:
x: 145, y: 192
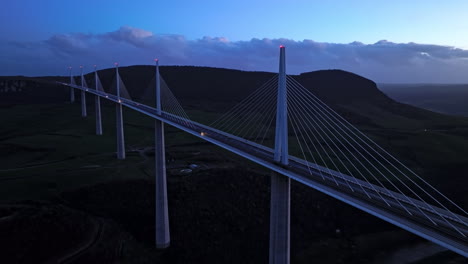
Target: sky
x: 386, y: 41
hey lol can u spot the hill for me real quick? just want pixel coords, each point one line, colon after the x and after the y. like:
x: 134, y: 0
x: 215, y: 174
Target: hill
x: 218, y: 214
x: 409, y: 132
x: 217, y: 90
x: 205, y: 93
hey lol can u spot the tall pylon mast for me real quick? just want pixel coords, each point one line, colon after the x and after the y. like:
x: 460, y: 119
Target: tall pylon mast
x: 83, y: 95
x: 158, y: 88
x: 281, y: 135
x: 117, y: 79
x: 72, y: 90
x: 97, y: 103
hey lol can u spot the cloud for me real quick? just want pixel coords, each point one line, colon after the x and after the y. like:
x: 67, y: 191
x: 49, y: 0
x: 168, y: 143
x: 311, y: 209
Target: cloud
x: 383, y: 61
x: 69, y: 44
x: 131, y: 35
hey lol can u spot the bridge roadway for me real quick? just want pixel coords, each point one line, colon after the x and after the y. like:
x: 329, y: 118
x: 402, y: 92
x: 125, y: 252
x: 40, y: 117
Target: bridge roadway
x: 370, y: 198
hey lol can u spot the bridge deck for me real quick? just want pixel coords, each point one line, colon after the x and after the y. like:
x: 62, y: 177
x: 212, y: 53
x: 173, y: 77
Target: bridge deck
x: 375, y: 200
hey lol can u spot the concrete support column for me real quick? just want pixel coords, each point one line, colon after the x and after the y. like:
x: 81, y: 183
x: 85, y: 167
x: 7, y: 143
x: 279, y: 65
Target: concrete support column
x: 83, y: 104
x: 281, y: 130
x: 280, y: 185
x: 120, y: 133
x: 83, y: 95
x: 97, y: 102
x: 280, y: 219
x: 162, y: 217
x: 72, y: 95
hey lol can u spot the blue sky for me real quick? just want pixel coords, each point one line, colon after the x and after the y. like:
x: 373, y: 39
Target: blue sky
x: 57, y: 32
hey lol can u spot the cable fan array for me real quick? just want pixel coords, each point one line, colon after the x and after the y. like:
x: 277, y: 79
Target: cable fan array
x: 124, y: 94
x: 171, y: 106
x: 254, y: 117
x: 325, y: 138
x: 97, y: 83
x: 334, y: 150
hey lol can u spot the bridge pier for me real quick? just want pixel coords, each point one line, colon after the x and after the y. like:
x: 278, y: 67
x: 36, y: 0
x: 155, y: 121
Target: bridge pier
x: 97, y: 101
x: 120, y: 133
x: 72, y: 95
x: 162, y: 215
x: 280, y: 218
x: 83, y: 95
x: 83, y: 104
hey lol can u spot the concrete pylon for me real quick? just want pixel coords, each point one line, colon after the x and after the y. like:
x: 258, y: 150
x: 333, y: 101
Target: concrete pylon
x: 120, y: 133
x: 72, y: 90
x: 280, y: 218
x: 162, y: 215
x: 163, y: 238
x: 83, y: 95
x: 280, y: 212
x: 97, y: 103
x: 119, y: 119
x: 281, y: 133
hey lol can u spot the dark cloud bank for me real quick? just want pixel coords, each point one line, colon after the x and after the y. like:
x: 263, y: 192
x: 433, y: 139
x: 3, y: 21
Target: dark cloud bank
x: 383, y: 61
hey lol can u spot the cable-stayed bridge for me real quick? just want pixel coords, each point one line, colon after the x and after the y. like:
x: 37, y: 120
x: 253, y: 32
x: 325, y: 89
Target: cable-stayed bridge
x: 284, y: 127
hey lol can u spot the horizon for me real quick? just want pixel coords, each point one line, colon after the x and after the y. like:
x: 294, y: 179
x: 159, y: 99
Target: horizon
x: 149, y: 65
